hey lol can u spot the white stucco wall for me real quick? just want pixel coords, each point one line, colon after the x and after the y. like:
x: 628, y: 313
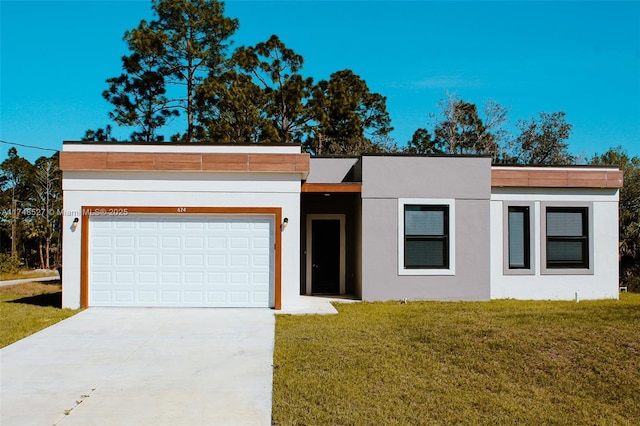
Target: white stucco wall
x: 182, y: 189
x: 602, y: 284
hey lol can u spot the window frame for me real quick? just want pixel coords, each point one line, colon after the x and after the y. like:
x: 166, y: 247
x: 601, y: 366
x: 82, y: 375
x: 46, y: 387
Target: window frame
x: 530, y: 269
x: 587, y: 250
x: 449, y: 236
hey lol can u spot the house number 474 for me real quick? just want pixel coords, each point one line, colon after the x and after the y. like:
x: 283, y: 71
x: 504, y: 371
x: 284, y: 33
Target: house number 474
x: 182, y: 209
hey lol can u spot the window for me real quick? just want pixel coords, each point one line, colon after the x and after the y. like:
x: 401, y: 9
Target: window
x: 567, y: 237
x: 519, y: 237
x: 519, y: 252
x: 426, y: 236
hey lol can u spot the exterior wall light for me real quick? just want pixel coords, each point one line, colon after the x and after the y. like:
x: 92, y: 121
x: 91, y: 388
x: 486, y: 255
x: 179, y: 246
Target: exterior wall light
x: 284, y: 224
x: 74, y: 225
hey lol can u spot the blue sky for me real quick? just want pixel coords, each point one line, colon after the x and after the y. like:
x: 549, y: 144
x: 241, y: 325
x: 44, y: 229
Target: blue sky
x: 582, y: 58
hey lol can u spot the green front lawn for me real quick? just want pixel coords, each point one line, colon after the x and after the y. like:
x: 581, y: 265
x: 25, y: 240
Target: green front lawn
x: 423, y: 363
x: 28, y: 308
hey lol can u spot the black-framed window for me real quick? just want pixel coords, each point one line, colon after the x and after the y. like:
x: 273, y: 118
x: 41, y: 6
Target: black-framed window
x: 567, y: 233
x: 519, y: 235
x: 426, y: 236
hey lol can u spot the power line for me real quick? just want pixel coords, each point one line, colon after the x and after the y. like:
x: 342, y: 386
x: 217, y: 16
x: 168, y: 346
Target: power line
x: 29, y: 146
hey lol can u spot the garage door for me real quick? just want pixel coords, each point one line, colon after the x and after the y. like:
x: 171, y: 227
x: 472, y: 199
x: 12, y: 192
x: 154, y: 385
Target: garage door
x: 170, y: 260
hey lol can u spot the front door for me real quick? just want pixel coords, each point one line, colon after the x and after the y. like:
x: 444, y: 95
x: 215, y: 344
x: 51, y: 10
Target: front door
x: 325, y: 255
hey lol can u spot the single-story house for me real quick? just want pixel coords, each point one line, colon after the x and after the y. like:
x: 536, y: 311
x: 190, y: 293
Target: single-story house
x: 210, y: 225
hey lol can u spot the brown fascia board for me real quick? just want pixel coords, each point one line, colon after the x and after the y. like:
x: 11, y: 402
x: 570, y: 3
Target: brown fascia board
x: 569, y: 177
x: 352, y: 187
x: 207, y: 162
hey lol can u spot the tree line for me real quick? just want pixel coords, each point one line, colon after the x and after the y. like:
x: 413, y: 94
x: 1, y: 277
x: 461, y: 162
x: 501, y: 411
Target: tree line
x: 30, y: 212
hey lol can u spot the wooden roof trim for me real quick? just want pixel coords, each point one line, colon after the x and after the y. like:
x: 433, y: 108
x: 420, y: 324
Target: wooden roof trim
x: 558, y: 178
x: 163, y: 161
x: 332, y: 187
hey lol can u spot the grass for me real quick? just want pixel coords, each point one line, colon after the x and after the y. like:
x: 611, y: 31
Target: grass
x: 480, y: 363
x: 37, y: 273
x: 28, y: 308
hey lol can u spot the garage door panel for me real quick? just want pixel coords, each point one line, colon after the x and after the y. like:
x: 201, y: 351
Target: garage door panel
x: 124, y: 225
x: 260, y: 297
x: 240, y: 243
x: 124, y: 277
x: 147, y: 277
x: 238, y: 260
x: 124, y: 296
x: 170, y: 297
x: 260, y: 260
x: 261, y: 242
x: 127, y: 242
x: 170, y: 278
x: 194, y: 278
x: 219, y: 260
x: 148, y: 297
x: 102, y: 242
x: 102, y: 259
x: 148, y: 224
x: 147, y: 259
x: 236, y: 224
x: 216, y: 243
x: 261, y: 278
x: 197, y: 225
x: 194, y: 243
x: 171, y: 242
x: 239, y: 296
x: 155, y: 260
x: 169, y: 225
x: 125, y: 259
x: 148, y: 242
x: 239, y: 278
x: 101, y: 277
x: 193, y: 297
x: 193, y: 260
x: 171, y: 260
x: 217, y: 279
x: 216, y: 297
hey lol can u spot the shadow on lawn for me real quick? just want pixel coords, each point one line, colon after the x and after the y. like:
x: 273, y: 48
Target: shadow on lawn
x: 50, y: 299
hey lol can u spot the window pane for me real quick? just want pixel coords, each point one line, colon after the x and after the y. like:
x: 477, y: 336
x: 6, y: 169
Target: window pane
x: 564, y: 224
x: 424, y: 253
x: 567, y: 237
x: 564, y: 251
x: 423, y: 222
x: 517, y: 239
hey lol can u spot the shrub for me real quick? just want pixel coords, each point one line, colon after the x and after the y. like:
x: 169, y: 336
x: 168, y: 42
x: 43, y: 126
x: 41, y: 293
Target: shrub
x: 9, y: 264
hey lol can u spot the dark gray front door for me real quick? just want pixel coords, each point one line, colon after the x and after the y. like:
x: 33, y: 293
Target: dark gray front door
x: 325, y: 256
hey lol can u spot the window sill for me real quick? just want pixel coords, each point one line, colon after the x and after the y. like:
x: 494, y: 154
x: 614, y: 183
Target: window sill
x: 566, y: 271
x: 426, y: 272
x: 528, y: 271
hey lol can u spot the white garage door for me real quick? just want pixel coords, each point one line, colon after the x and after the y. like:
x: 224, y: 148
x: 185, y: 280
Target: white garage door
x: 169, y: 260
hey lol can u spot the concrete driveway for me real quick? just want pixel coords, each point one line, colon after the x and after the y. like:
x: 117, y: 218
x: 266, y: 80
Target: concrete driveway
x: 134, y: 366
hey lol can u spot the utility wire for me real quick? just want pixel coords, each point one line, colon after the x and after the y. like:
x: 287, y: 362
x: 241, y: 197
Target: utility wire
x: 29, y: 146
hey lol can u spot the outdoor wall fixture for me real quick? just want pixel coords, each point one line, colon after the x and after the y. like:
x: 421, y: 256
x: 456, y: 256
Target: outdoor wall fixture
x: 74, y: 225
x: 284, y: 224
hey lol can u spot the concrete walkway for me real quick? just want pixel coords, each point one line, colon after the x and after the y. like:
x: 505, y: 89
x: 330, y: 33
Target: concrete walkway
x: 29, y: 280
x: 136, y: 366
